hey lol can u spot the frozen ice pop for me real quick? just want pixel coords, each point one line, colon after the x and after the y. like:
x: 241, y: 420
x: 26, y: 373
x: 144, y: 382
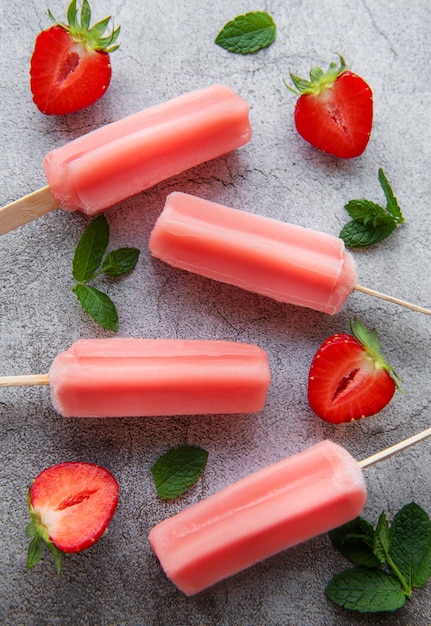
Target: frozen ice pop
x: 153, y: 377
x: 275, y: 508
x: 121, y: 159
x: 283, y: 261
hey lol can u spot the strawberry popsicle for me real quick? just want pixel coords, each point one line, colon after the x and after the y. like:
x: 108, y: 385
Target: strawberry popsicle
x: 273, y: 509
x: 286, y: 262
x: 121, y: 159
x: 260, y: 515
x: 152, y: 377
x: 282, y: 261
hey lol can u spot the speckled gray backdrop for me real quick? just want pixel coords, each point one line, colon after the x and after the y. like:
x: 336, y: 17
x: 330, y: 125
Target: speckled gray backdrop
x: 166, y: 49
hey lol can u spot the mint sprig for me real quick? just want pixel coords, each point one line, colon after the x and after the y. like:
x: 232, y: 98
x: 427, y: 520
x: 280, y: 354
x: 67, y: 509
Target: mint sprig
x: 247, y: 33
x: 391, y: 560
x: 371, y: 222
x: 88, y: 258
x: 177, y: 470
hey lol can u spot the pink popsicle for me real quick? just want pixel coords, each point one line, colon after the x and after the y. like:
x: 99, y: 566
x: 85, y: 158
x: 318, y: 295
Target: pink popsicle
x: 262, y: 514
x: 285, y: 262
x: 123, y: 158
x: 153, y: 377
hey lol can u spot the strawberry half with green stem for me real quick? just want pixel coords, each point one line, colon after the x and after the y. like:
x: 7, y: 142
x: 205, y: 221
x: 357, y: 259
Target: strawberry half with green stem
x: 334, y: 111
x: 349, y: 378
x: 70, y: 506
x: 70, y: 67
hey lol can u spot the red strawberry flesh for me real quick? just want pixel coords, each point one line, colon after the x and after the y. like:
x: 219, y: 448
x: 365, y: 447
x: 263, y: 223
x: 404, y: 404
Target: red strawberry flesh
x: 65, y: 76
x: 345, y: 383
x: 338, y: 119
x: 75, y: 502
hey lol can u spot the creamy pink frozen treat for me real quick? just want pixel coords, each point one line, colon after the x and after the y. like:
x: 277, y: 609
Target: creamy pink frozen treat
x: 126, y: 157
x: 151, y: 377
x: 262, y: 514
x: 285, y: 262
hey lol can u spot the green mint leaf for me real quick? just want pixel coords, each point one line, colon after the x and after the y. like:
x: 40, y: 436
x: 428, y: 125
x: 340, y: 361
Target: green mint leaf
x: 366, y: 590
x: 247, y: 33
x: 121, y: 261
x: 98, y: 305
x: 355, y: 541
x: 357, y: 235
x: 382, y: 539
x: 392, y: 205
x: 371, y: 222
x: 35, y: 551
x: 177, y: 470
x: 364, y: 211
x: 90, y: 249
x: 411, y: 544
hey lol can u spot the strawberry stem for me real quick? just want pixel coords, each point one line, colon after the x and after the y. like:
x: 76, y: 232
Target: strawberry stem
x: 319, y: 79
x: 80, y: 31
x: 371, y: 343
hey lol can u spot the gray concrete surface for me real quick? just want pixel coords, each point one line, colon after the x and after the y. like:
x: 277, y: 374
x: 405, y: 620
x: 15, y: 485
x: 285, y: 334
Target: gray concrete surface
x: 166, y: 49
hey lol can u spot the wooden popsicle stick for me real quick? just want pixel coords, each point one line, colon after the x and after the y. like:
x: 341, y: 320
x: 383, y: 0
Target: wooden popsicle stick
x: 26, y: 380
x: 388, y: 452
x: 382, y: 296
x: 26, y: 209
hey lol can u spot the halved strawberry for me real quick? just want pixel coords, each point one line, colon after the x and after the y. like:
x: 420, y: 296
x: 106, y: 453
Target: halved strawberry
x: 70, y: 506
x: 70, y: 67
x: 334, y: 111
x: 349, y: 379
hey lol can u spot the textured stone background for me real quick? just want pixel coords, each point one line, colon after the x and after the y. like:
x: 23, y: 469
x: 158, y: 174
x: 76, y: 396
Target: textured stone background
x: 166, y: 49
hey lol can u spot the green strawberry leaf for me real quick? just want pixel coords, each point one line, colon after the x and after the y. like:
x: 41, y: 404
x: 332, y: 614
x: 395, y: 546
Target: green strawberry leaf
x: 247, y: 33
x: 57, y: 554
x: 90, y: 249
x: 411, y: 544
x: 355, y: 541
x: 98, y: 305
x: 177, y: 470
x: 121, y: 261
x: 35, y: 551
x: 31, y: 529
x: 366, y: 590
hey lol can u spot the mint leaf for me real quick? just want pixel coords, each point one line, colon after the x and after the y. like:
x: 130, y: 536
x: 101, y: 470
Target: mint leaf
x: 90, y: 249
x: 392, y: 205
x: 98, y: 305
x: 358, y: 235
x: 411, y: 544
x: 366, y: 590
x: 247, y: 33
x: 121, y: 261
x: 355, y: 541
x: 177, y: 470
x: 88, y: 257
x: 382, y: 539
x: 364, y: 211
x: 371, y: 222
